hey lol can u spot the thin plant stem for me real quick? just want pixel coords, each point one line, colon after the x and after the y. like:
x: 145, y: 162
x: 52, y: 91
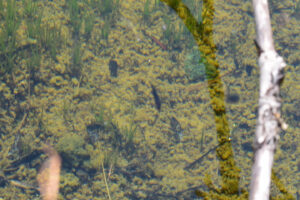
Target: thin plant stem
x: 107, y: 189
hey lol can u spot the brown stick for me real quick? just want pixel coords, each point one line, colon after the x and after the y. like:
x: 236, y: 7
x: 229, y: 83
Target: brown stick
x: 164, y: 47
x: 154, y: 39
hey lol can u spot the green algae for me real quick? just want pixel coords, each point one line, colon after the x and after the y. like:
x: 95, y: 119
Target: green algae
x: 194, y: 67
x: 71, y: 147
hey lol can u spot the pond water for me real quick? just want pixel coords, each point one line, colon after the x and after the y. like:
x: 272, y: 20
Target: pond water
x: 139, y: 103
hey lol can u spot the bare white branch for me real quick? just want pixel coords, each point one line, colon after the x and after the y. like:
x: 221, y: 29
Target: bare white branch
x: 269, y: 121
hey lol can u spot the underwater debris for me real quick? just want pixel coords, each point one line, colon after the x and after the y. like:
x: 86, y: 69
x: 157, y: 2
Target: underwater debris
x: 249, y: 69
x: 48, y: 177
x: 232, y: 98
x: 93, y: 132
x: 113, y: 68
x: 22, y: 185
x: 199, y: 160
x: 176, y: 128
x: 247, y: 146
x: 26, y: 158
x: 155, y: 40
x: 156, y: 98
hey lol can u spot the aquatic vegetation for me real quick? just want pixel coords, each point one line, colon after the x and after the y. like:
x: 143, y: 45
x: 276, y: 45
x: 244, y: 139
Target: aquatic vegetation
x: 128, y: 133
x: 99, y: 117
x: 105, y: 128
x: 51, y: 39
x: 72, y: 149
x: 105, y: 30
x: 1, y: 8
x: 146, y: 11
x: 89, y: 21
x: 75, y: 17
x: 157, y: 3
x: 24, y: 145
x: 94, y: 119
x: 169, y: 29
x: 194, y: 66
x: 110, y: 158
x: 68, y: 182
x: 176, y: 34
x: 34, y: 26
x: 34, y: 60
x: 8, y: 37
x: 106, y: 7
x: 30, y: 8
x: 11, y: 20
x: 76, y: 67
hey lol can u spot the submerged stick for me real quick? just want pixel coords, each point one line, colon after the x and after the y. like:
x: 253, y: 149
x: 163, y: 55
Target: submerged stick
x: 156, y: 98
x: 106, y: 185
x: 48, y: 177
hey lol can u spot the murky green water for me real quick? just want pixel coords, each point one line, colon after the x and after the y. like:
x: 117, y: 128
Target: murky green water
x: 122, y: 85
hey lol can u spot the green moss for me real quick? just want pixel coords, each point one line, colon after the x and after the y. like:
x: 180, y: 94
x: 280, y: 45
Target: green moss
x: 72, y: 149
x: 68, y: 183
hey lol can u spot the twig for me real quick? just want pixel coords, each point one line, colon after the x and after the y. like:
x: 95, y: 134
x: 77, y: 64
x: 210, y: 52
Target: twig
x: 201, y: 158
x: 107, y: 189
x: 22, y: 185
x: 109, y: 172
x: 20, y: 124
x: 154, y: 39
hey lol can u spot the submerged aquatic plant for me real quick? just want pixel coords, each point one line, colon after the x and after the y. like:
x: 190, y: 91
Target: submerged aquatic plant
x: 8, y: 37
x: 72, y: 149
x: 76, y: 60
x: 30, y: 8
x: 194, y: 66
x: 75, y: 17
x: 128, y: 133
x: 146, y: 12
x: 106, y: 7
x: 34, y: 60
x: 11, y: 21
x: 105, y: 30
x: 89, y: 21
x: 50, y: 39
